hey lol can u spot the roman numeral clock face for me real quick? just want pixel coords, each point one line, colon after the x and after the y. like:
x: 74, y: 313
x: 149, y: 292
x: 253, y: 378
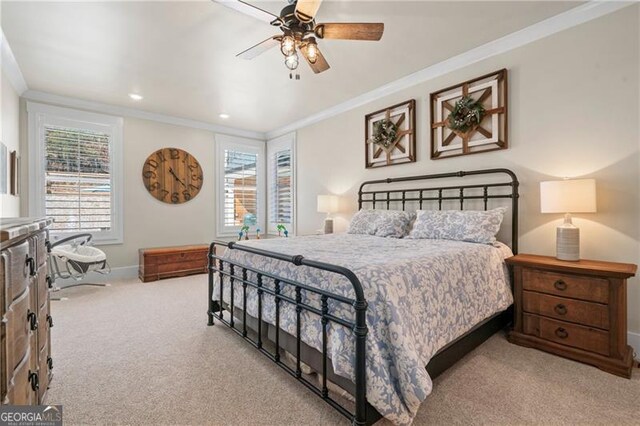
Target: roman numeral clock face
x: 172, y: 175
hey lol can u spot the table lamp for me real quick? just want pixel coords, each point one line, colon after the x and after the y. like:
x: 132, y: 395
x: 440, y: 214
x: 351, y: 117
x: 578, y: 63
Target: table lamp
x: 568, y: 196
x: 328, y: 204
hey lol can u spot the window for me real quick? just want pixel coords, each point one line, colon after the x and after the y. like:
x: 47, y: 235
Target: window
x: 280, y: 182
x: 240, y: 184
x: 76, y: 171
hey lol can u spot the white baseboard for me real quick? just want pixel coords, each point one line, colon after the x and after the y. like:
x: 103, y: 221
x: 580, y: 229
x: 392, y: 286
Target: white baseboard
x: 117, y: 274
x: 634, y: 341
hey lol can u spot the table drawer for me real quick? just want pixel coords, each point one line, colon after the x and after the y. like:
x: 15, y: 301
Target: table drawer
x: 572, y: 310
x: 574, y: 286
x: 565, y: 333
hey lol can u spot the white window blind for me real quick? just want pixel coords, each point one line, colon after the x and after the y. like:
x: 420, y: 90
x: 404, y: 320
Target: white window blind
x: 281, y: 196
x: 281, y: 182
x: 240, y: 188
x: 77, y: 179
x: 75, y: 165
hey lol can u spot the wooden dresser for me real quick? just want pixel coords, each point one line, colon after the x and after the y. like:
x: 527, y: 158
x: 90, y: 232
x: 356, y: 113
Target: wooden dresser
x: 170, y: 262
x: 577, y: 310
x: 25, y: 342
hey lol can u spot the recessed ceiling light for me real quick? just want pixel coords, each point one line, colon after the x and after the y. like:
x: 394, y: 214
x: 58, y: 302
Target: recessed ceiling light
x: 224, y: 116
x: 135, y: 96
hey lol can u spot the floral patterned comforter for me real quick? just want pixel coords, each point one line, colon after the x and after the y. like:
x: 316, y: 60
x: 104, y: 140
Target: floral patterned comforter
x: 421, y: 295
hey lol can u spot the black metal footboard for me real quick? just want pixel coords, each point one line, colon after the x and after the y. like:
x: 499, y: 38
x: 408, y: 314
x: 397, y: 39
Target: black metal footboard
x: 363, y: 413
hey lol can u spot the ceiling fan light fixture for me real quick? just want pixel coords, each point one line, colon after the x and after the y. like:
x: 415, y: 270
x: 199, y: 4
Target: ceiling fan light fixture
x: 311, y: 51
x: 291, y: 61
x: 288, y: 45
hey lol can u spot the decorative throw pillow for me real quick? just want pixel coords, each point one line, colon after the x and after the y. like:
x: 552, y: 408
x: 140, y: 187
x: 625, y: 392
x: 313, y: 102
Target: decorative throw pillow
x: 363, y: 223
x: 477, y: 226
x: 382, y: 223
x: 393, y: 223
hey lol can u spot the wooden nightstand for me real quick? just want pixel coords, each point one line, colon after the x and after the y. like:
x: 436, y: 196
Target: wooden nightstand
x: 577, y: 310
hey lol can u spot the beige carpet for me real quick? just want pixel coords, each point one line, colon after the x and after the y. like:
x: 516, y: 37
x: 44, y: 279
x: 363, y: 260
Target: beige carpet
x: 140, y: 353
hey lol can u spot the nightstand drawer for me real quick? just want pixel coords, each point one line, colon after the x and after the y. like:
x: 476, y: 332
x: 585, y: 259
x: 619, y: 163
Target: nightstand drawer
x: 577, y: 311
x: 575, y: 286
x: 565, y: 333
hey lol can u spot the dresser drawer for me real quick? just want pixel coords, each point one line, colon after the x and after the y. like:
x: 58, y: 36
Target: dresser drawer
x: 43, y: 325
x: 572, y: 310
x: 17, y: 327
x: 574, y: 286
x: 19, y: 390
x: 18, y: 271
x: 565, y: 333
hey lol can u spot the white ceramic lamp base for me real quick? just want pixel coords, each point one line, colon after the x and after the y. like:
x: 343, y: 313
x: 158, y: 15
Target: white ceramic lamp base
x: 568, y: 243
x: 328, y: 226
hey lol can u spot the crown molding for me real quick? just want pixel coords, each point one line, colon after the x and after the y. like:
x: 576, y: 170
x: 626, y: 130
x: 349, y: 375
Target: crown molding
x: 565, y: 20
x: 10, y: 66
x: 37, y: 96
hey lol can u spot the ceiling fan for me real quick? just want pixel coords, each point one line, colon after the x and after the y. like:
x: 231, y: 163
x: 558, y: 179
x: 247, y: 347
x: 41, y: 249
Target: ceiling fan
x: 300, y: 32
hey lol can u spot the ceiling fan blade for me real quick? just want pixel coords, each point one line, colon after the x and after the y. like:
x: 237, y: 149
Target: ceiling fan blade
x: 250, y: 10
x: 306, y: 9
x: 259, y: 48
x: 350, y: 31
x: 320, y: 63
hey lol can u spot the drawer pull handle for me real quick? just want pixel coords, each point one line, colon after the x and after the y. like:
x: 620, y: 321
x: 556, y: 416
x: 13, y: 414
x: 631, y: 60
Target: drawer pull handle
x: 560, y: 309
x: 50, y: 363
x: 560, y: 285
x: 49, y: 281
x: 33, y: 320
x: 562, y: 333
x: 50, y: 320
x: 35, y: 382
x: 31, y: 263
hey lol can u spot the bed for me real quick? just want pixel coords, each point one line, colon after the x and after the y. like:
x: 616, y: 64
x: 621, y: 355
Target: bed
x: 366, y: 314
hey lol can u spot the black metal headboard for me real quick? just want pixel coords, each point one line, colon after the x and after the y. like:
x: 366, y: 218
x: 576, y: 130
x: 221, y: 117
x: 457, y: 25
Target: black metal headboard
x: 478, y: 191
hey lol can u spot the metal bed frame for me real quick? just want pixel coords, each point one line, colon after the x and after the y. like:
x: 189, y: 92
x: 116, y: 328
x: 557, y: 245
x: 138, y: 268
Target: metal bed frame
x: 364, y: 413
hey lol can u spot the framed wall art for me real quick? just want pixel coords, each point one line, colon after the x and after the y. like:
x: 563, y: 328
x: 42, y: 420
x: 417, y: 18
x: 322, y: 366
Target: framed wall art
x: 4, y: 169
x: 470, y: 117
x: 14, y: 173
x: 390, y: 135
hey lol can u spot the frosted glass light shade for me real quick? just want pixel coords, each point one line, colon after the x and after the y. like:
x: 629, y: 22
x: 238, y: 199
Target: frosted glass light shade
x: 568, y: 196
x: 327, y: 203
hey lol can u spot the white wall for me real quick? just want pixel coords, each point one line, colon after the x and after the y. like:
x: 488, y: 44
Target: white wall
x: 149, y: 222
x: 9, y: 110
x: 573, y: 112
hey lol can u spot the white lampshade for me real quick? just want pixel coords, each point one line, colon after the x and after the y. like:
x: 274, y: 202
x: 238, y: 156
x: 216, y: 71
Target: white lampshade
x: 568, y: 196
x: 327, y: 203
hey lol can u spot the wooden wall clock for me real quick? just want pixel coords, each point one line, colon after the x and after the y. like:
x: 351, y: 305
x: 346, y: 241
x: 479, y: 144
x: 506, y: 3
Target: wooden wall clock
x: 172, y: 175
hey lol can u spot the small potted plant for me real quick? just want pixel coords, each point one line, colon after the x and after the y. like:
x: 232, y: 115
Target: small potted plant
x: 282, y: 229
x: 244, y: 230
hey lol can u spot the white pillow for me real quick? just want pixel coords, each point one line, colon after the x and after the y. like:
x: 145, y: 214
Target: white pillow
x: 382, y: 223
x: 477, y: 226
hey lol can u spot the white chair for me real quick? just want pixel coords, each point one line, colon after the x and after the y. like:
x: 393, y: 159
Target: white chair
x: 77, y: 258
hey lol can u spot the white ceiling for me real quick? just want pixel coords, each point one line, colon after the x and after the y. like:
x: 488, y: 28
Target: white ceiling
x: 181, y: 55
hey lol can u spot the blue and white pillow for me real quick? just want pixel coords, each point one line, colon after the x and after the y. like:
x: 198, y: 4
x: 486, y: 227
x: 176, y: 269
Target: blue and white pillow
x: 382, y: 223
x: 477, y: 226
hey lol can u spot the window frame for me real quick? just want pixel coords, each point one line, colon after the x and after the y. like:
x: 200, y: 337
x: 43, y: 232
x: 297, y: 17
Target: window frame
x: 40, y: 115
x: 225, y: 142
x: 280, y: 143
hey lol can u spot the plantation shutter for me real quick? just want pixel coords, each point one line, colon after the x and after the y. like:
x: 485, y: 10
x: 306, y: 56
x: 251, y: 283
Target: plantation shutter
x: 240, y: 188
x: 280, y: 188
x: 78, y: 193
